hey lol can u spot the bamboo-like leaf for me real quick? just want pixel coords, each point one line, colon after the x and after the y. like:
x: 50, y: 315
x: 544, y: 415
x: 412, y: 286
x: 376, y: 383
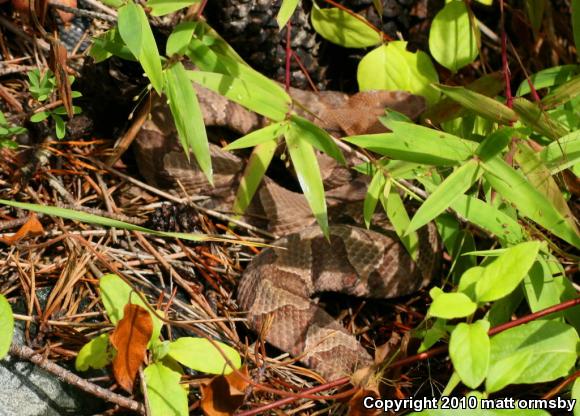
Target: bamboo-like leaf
x: 317, y: 137
x: 562, y: 153
x: 255, y: 169
x: 308, y: 173
x: 339, y: 27
x: 286, y: 11
x: 136, y: 33
x: 397, y: 214
x: 180, y: 37
x: 188, y: 117
x: 539, y: 120
x: 413, y: 143
x: 494, y: 143
x: 454, y: 185
x: 548, y: 77
x: 163, y: 7
x: 372, y: 196
x: 514, y: 187
x: 257, y: 137
x: 480, y: 104
x: 562, y: 94
x: 540, y: 177
x: 85, y: 217
x: 243, y: 92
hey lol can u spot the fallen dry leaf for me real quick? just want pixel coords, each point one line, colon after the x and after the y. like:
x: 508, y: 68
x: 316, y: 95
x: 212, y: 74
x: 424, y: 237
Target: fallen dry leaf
x: 224, y: 394
x: 356, y: 403
x: 130, y: 339
x: 32, y: 227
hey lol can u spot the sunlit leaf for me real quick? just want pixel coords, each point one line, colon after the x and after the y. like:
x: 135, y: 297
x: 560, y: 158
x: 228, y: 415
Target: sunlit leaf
x: 6, y: 326
x: 94, y: 354
x: 562, y: 153
x: 469, y: 349
x: 372, y: 196
x: 257, y: 137
x: 166, y: 397
x: 180, y: 37
x: 316, y: 136
x: 548, y: 77
x: 201, y: 355
x: 537, y: 119
x: 286, y: 11
x: 163, y: 7
x: 340, y: 27
x: 451, y: 306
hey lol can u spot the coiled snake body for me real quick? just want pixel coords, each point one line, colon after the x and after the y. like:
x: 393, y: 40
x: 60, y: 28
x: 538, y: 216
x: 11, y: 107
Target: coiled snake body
x: 280, y: 281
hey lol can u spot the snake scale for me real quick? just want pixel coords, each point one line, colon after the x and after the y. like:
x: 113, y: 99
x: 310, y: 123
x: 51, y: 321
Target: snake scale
x: 280, y: 281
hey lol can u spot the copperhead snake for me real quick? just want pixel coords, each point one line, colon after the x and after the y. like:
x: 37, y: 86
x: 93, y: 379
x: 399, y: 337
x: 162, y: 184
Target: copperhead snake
x: 280, y: 281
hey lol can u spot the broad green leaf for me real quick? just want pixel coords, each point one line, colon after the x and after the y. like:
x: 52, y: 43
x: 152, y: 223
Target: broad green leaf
x: 59, y: 126
x: 506, y: 371
x: 223, y: 60
x: 495, y: 143
x: 243, y: 92
x: 88, y: 218
x: 469, y: 280
x: 548, y: 77
x: 94, y: 354
x: 541, y: 289
x: 308, y: 172
x: 576, y: 24
x: 503, y: 310
x: 188, y: 117
x: 6, y: 326
x: 338, y: 26
x: 480, y: 104
x: 469, y: 349
x: 115, y: 294
x: 501, y: 277
x: 540, y: 177
x: 110, y: 43
x: 40, y: 116
x: 414, y: 143
x: 135, y: 31
x: 398, y: 217
x: 514, y: 187
x: 374, y: 191
x: 451, y: 306
x: 286, y: 11
x: 317, y: 137
x: 562, y: 153
x: 392, y: 67
x: 254, y: 172
x: 550, y: 344
x: 534, y: 117
x: 450, y: 189
x: 163, y: 7
x: 258, y: 137
x: 562, y: 94
x: 165, y: 396
x: 452, y: 40
x: 201, y: 355
x: 180, y: 37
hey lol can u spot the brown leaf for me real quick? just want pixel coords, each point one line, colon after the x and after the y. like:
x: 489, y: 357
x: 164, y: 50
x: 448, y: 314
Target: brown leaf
x: 224, y: 394
x: 58, y: 64
x: 130, y: 339
x: 356, y: 404
x: 32, y: 227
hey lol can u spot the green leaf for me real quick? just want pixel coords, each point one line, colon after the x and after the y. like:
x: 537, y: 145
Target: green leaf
x: 450, y: 189
x: 6, y: 326
x: 59, y: 126
x: 317, y: 137
x: 188, y: 117
x: 38, y: 117
x: 432, y: 335
x: 113, y: 3
x: 562, y: 94
x: 180, y: 37
x: 374, y: 191
x: 451, y: 306
x: 115, y: 294
x: 255, y: 169
x: 469, y: 349
x: 110, y: 43
x: 165, y: 396
x: 163, y: 7
x: 398, y: 217
x: 480, y: 104
x: 562, y: 153
x: 244, y: 92
x: 135, y: 31
x: 469, y: 280
x: 541, y: 178
x: 258, y: 137
x: 339, y: 27
x: 501, y: 277
x: 495, y: 143
x: 286, y: 11
x: 576, y: 394
x: 548, y: 77
x: 392, y: 67
x: 414, y: 143
x: 508, y: 370
x: 201, y: 355
x: 513, y: 187
x: 94, y: 354
x: 551, y: 346
x: 534, y: 117
x: 541, y: 289
x: 452, y: 40
x: 308, y: 173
